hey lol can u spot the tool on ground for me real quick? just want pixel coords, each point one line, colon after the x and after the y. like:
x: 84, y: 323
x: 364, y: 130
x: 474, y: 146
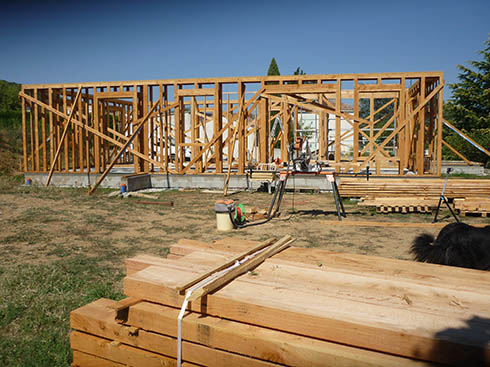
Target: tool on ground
x: 443, y: 198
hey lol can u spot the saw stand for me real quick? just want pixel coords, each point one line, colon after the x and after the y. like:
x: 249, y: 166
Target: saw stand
x: 338, y: 201
x: 443, y: 198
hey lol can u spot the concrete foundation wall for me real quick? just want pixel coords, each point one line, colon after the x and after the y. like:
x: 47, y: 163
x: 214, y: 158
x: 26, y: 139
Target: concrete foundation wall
x: 211, y: 182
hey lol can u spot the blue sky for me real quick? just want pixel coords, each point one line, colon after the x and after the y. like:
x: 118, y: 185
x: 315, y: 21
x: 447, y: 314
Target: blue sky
x: 84, y: 41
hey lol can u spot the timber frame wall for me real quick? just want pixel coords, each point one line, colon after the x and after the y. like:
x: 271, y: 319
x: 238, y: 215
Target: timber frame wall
x: 191, y: 126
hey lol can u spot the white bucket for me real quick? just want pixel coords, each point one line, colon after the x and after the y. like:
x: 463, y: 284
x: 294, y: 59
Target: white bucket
x: 223, y: 221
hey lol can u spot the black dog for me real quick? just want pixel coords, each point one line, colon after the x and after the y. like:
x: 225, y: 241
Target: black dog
x: 458, y: 244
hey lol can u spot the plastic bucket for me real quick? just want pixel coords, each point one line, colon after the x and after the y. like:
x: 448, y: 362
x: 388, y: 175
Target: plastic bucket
x: 223, y: 221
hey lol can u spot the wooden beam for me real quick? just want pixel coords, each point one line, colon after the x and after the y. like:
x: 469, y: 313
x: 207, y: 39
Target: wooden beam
x: 200, y: 277
x: 451, y: 148
x: 466, y: 137
x: 196, y: 92
x: 63, y: 136
x: 142, y: 124
x: 278, y: 246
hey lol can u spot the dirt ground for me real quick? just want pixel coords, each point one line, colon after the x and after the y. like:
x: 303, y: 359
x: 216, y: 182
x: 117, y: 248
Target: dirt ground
x: 41, y: 224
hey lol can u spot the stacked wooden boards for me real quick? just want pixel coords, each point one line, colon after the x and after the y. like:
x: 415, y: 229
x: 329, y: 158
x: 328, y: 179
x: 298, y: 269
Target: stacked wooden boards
x: 302, y: 307
x: 475, y: 205
x: 415, y: 187
x: 400, y: 204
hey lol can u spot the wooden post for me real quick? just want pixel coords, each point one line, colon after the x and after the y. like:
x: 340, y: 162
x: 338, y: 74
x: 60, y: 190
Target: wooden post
x: 440, y: 104
x: 338, y: 102
x: 73, y: 133
x: 137, y: 145
x: 143, y: 138
x: 36, y: 131
x: 43, y: 135
x: 263, y: 130
x: 96, y: 149
x: 371, y: 126
x: 31, y: 133
x: 80, y: 136
x: 65, y: 130
x: 402, y: 136
x: 217, y: 125
x: 242, y: 136
x: 194, y: 132
x: 355, y: 147
x: 420, y: 122
x: 24, y: 133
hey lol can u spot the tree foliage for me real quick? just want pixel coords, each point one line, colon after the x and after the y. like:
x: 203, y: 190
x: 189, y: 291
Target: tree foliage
x: 273, y: 68
x: 469, y: 108
x: 9, y: 96
x: 299, y: 71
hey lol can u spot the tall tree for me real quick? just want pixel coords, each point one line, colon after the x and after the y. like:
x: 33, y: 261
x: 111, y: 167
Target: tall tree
x: 469, y: 108
x: 273, y: 68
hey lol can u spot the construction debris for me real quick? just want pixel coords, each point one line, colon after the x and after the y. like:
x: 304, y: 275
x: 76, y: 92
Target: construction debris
x: 288, y: 311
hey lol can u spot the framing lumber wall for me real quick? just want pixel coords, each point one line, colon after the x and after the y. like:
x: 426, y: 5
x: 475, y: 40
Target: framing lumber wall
x: 188, y: 126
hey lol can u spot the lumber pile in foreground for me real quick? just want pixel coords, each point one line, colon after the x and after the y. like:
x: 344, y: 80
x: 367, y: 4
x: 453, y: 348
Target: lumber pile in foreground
x: 301, y: 307
x: 415, y: 187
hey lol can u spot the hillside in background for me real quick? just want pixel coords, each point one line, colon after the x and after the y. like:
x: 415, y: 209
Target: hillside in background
x: 10, y: 127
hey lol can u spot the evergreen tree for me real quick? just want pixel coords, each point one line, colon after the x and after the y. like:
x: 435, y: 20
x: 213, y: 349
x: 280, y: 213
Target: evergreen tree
x: 273, y: 68
x: 469, y: 108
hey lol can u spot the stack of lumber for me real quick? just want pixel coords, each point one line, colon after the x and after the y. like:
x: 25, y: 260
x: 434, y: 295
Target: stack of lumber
x: 473, y: 206
x: 414, y: 187
x: 400, y: 205
x: 301, y: 307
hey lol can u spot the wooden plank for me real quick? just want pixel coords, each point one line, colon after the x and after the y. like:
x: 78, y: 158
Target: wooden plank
x: 97, y: 318
x: 298, y: 88
x: 278, y: 246
x: 115, y: 95
x: 117, y: 352
x: 395, y: 331
x: 195, y: 92
x: 81, y: 359
x: 253, y: 79
x: 250, y: 340
x: 372, y: 266
x: 200, y: 277
x: 391, y: 292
